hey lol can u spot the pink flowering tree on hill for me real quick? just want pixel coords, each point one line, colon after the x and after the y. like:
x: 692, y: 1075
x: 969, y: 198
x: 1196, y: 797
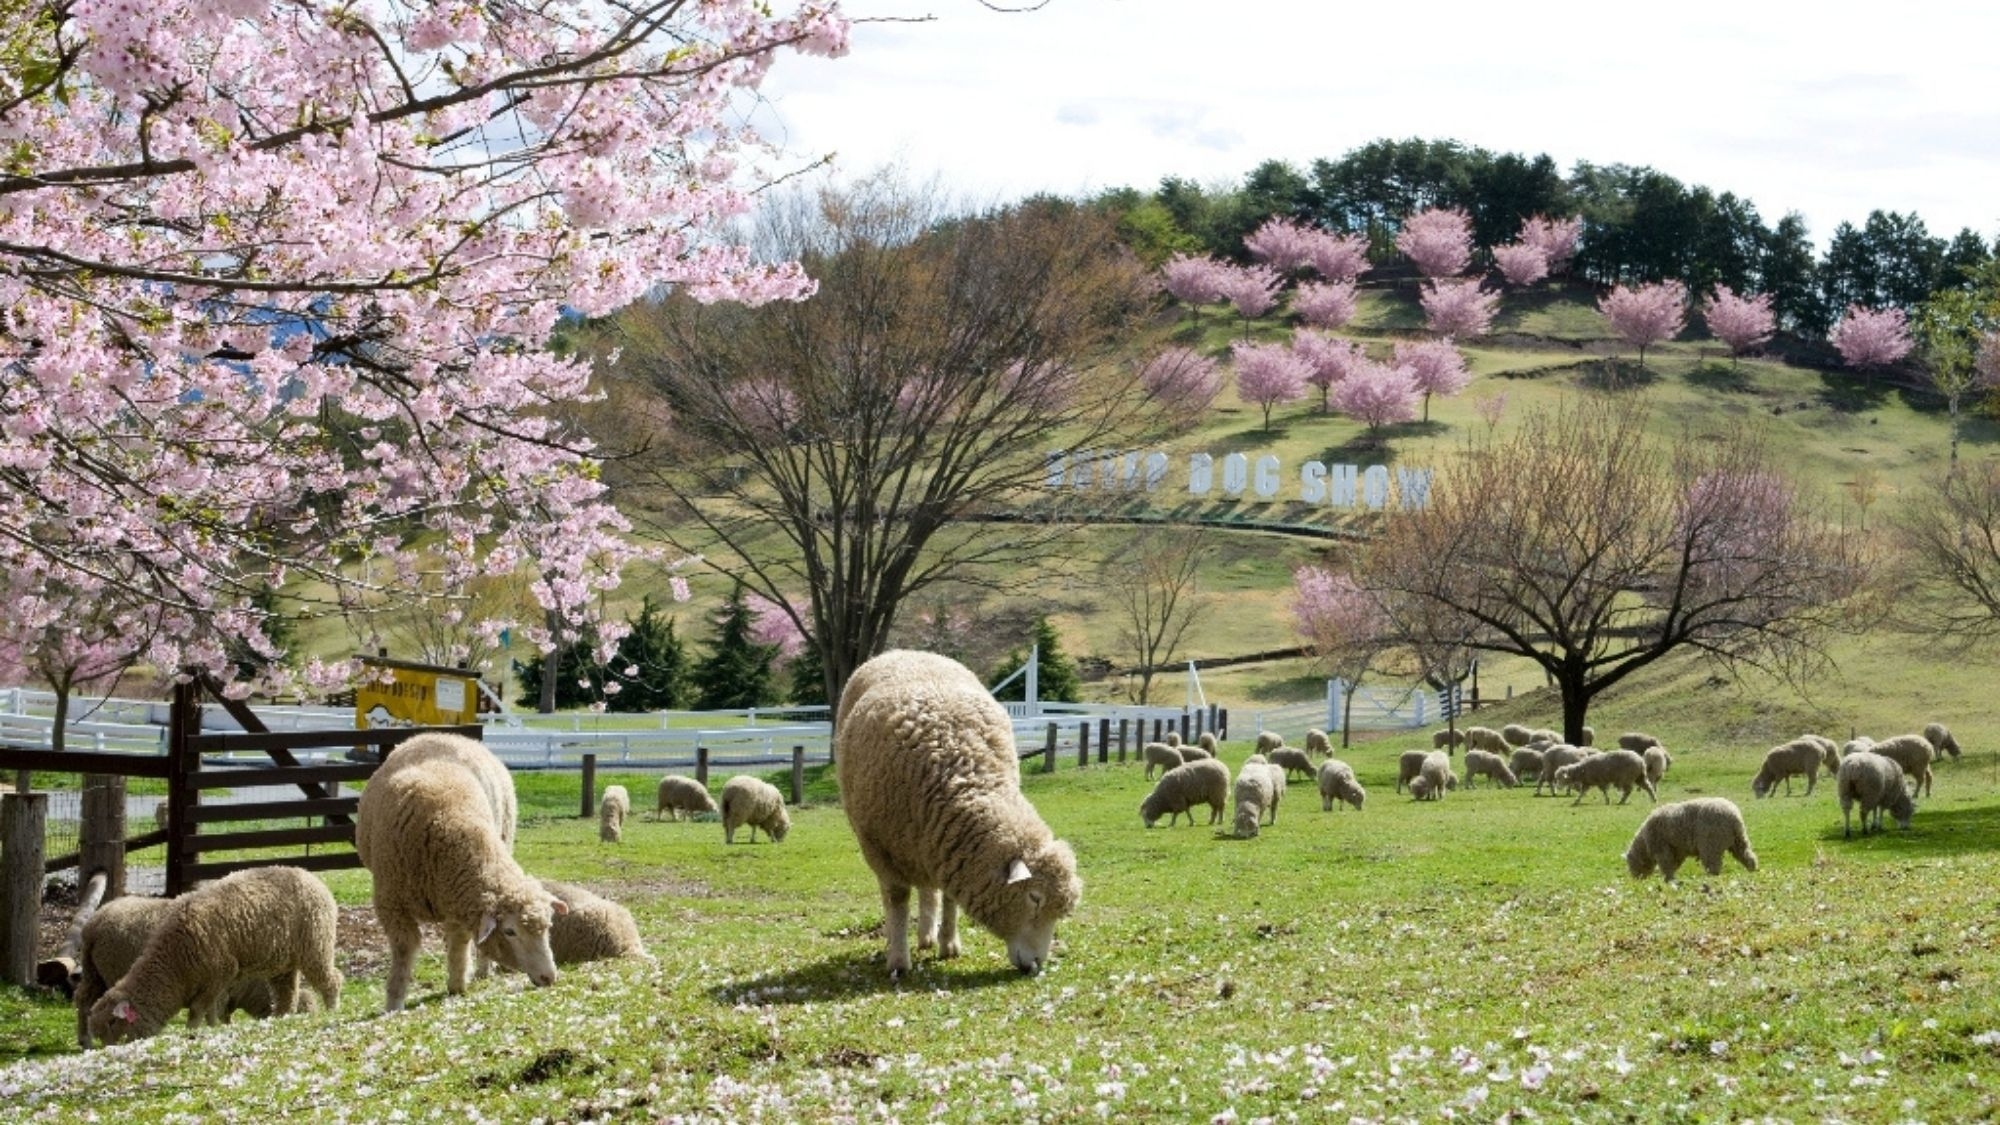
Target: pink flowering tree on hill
x: 1282, y: 244
x: 1195, y: 281
x: 1869, y: 338
x: 1460, y: 309
x: 1438, y: 241
x: 1741, y: 323
x: 1252, y: 291
x: 1329, y: 359
x: 69, y: 639
x: 1379, y: 394
x: 1521, y: 264
x: 1338, y: 257
x: 310, y: 258
x: 1182, y: 382
x: 1324, y: 304
x: 1435, y: 366
x: 1269, y: 374
x: 1344, y: 624
x: 1555, y: 238
x: 1644, y: 315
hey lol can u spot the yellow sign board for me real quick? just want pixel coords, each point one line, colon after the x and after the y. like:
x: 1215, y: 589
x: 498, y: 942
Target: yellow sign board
x: 396, y: 693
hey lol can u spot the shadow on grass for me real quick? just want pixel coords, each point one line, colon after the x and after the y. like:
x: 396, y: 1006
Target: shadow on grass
x: 1617, y: 375
x: 846, y: 976
x: 1287, y: 690
x: 1720, y: 377
x: 1372, y: 447
x: 1849, y: 393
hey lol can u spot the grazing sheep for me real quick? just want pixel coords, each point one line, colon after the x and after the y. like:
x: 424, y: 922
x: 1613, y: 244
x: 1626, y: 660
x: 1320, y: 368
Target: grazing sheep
x: 683, y: 795
x: 269, y: 923
x: 932, y: 788
x: 1484, y: 738
x: 1828, y: 751
x: 435, y: 829
x: 1589, y: 736
x: 1447, y: 739
x: 1481, y: 763
x: 1338, y: 783
x: 1257, y: 759
x: 1434, y: 778
x: 750, y: 801
x: 1875, y: 783
x: 1544, y: 734
x: 1912, y: 752
x: 1179, y: 790
x: 1409, y: 765
x: 1293, y: 760
x: 1657, y: 763
x: 1853, y: 746
x: 1782, y: 763
x: 1268, y: 741
x: 1160, y: 756
x: 1192, y: 753
x: 1941, y: 739
x: 1206, y: 744
x: 1622, y: 768
x: 1516, y: 735
x: 111, y: 941
x: 1526, y: 763
x: 1636, y: 741
x: 595, y: 929
x: 1173, y: 738
x: 611, y: 814
x: 1553, y: 760
x: 1318, y: 743
x: 1259, y: 787
x: 1706, y: 828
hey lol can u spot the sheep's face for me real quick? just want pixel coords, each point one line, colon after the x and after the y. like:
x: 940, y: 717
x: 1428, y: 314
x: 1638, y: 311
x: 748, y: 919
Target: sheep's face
x: 780, y: 826
x: 1037, y: 891
x: 516, y: 935
x: 1760, y: 785
x: 1901, y: 807
x: 1638, y: 860
x: 114, y: 1019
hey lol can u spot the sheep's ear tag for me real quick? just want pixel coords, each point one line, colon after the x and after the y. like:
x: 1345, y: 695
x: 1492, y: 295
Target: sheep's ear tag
x: 1017, y: 872
x: 124, y: 1011
x: 486, y: 926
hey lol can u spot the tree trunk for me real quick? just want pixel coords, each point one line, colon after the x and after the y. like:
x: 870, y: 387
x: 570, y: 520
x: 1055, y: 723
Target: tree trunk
x: 1347, y: 713
x: 1576, y: 703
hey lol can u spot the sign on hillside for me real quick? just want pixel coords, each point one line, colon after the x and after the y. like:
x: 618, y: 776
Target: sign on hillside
x: 398, y: 693
x: 1338, y: 486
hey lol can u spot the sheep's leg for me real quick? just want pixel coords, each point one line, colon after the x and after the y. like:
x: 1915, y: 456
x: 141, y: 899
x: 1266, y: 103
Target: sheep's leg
x: 404, y: 939
x: 948, y: 925
x: 285, y: 993
x: 326, y: 981
x: 1812, y: 780
x: 205, y: 1008
x: 1669, y: 863
x: 1847, y: 821
x: 927, y: 916
x: 458, y: 955
x: 896, y: 922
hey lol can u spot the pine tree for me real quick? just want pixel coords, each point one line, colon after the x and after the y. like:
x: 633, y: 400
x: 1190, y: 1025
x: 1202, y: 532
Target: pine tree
x: 737, y: 672
x: 579, y: 678
x: 1055, y: 676
x: 808, y: 675
x: 651, y: 665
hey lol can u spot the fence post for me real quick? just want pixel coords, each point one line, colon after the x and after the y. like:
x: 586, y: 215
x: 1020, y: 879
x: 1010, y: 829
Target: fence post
x: 184, y: 722
x: 1185, y: 720
x: 589, y: 805
x: 798, y: 775
x: 23, y: 816
x: 1049, y: 751
x: 1156, y: 731
x: 101, y: 836
x: 1222, y: 724
x: 1103, y: 741
x: 1213, y: 710
x: 1082, y: 743
x: 1334, y: 690
x: 1124, y: 726
x: 701, y: 766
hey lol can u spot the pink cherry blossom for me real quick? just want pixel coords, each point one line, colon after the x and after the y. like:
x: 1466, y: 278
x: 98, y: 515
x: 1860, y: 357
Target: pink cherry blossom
x: 1183, y: 381
x: 1870, y: 337
x: 1328, y: 359
x: 1327, y: 304
x: 1555, y: 238
x: 1436, y: 367
x: 1269, y: 374
x: 1253, y: 290
x: 1521, y: 264
x: 1740, y: 322
x: 1458, y: 308
x: 1338, y: 257
x: 1195, y: 281
x: 1378, y: 394
x: 1438, y: 240
x: 1282, y: 244
x: 1643, y: 315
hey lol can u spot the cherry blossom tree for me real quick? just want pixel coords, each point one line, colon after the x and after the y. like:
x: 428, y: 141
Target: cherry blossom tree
x: 776, y: 626
x: 1438, y: 240
x: 1871, y: 338
x: 1643, y: 315
x: 1253, y: 291
x: 1324, y: 304
x: 1521, y: 264
x: 1195, y: 281
x: 1377, y: 393
x: 1555, y: 238
x: 1269, y: 374
x: 1330, y: 359
x: 1491, y: 408
x: 1436, y: 367
x: 1458, y: 308
x: 69, y: 639
x: 279, y: 282
x: 1740, y: 322
x: 1338, y: 257
x: 1282, y: 244
x: 1343, y: 623
x: 1183, y: 382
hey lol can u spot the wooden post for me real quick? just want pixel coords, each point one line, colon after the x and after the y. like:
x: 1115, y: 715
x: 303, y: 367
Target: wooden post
x: 1124, y: 726
x: 23, y: 817
x: 1049, y: 751
x: 1198, y: 728
x: 798, y: 775
x: 1083, y: 744
x: 589, y: 805
x: 1185, y: 720
x: 1213, y: 710
x: 1156, y: 731
x: 701, y: 766
x: 183, y: 723
x: 1103, y: 741
x: 101, y: 836
x: 1222, y: 724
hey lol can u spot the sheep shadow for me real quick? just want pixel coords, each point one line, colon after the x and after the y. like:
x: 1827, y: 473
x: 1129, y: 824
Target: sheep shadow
x: 1962, y: 830
x: 851, y: 975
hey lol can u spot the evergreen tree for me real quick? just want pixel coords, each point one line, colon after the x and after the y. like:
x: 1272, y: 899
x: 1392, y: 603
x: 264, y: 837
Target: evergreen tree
x: 808, y: 676
x: 1055, y: 677
x: 737, y: 671
x: 579, y: 677
x: 651, y: 665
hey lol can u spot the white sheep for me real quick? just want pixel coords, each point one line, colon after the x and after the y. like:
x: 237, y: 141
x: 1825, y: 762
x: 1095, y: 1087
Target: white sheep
x: 1447, y: 739
x: 1658, y: 761
x: 271, y: 923
x: 678, y: 795
x: 1589, y: 736
x: 1179, y: 790
x: 435, y: 829
x: 1268, y: 741
x: 1293, y: 760
x: 1622, y: 768
x: 1829, y: 751
x: 932, y: 788
x: 1636, y: 741
x: 1514, y: 734
x: 1160, y: 756
x: 1707, y: 828
x: 1338, y: 783
x: 1858, y: 745
x: 1799, y: 756
x: 1484, y: 738
x: 611, y: 812
x: 594, y: 929
x: 1409, y: 764
x: 1875, y: 783
x: 1434, y: 778
x: 1206, y: 743
x: 1526, y: 763
x: 1194, y: 752
x: 754, y: 802
x: 1318, y: 743
x: 1259, y: 788
x: 1483, y: 763
x: 111, y: 941
x: 1941, y: 739
x: 1554, y: 759
x: 1545, y: 734
x: 1913, y: 752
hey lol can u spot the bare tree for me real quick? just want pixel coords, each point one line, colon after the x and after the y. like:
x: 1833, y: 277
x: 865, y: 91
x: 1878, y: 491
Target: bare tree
x: 1593, y: 548
x: 1950, y: 561
x: 857, y: 444
x: 1154, y: 585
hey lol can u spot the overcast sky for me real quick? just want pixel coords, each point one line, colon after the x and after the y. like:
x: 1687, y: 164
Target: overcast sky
x: 1830, y: 109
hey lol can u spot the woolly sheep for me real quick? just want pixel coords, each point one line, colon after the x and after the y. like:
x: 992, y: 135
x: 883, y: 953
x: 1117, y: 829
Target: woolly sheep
x: 1318, y: 743
x: 1338, y: 783
x: 1589, y: 736
x: 1516, y: 735
x: 1408, y: 765
x: 1482, y: 763
x: 111, y: 941
x: 1706, y: 828
x: 1257, y: 759
x: 1782, y: 763
x: 1259, y: 788
x: 1941, y: 739
x: 595, y: 929
x: 1447, y: 739
x: 1657, y: 763
x: 435, y: 829
x: 1206, y: 743
x: 1179, y: 790
x: 1622, y: 768
x: 1636, y: 741
x: 1194, y: 753
x: 1829, y: 752
x: 1912, y: 752
x: 1268, y: 741
x: 754, y: 802
x: 932, y: 788
x: 1437, y: 772
x: 1554, y: 759
x: 679, y: 795
x: 1160, y: 756
x: 611, y: 814
x: 1483, y: 738
x: 1173, y: 738
x: 275, y: 923
x: 1853, y: 746
x: 1293, y: 760
x: 1875, y: 783
x: 1526, y: 762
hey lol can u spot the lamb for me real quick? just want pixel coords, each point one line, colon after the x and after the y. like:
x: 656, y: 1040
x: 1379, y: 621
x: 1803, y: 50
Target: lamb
x: 1293, y: 760
x: 1913, y: 753
x: 932, y: 788
x: 1516, y: 735
x: 1481, y: 763
x: 1706, y: 828
x: 1160, y: 756
x: 1526, y: 763
x: 1318, y: 743
x: 1447, y: 739
x: 275, y: 923
x: 750, y: 801
x: 611, y: 814
x: 112, y: 940
x: 1484, y: 738
x: 1179, y: 790
x: 1554, y: 759
x: 1636, y: 741
x: 435, y: 828
x: 1409, y: 765
x: 1622, y: 768
x: 1259, y: 787
x: 1338, y: 783
x: 1875, y: 782
x: 679, y: 795
x: 1657, y: 762
x: 1173, y: 738
x: 1782, y: 763
x: 595, y: 929
x: 1941, y: 739
x: 1207, y: 743
x: 1268, y: 741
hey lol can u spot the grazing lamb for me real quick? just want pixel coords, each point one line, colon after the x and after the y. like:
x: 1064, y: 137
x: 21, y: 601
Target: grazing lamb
x: 611, y: 814
x: 1526, y: 763
x: 1434, y: 777
x: 751, y: 801
x: 1179, y: 790
x: 1194, y: 753
x: 1516, y: 735
x: 1268, y: 741
x: 1554, y: 759
x: 1706, y: 828
x: 1481, y: 763
x: 932, y: 789
x: 1657, y: 763
x: 680, y: 795
x: 1876, y: 784
x: 1408, y: 765
x: 1160, y: 756
x: 270, y: 923
x: 1636, y: 741
x: 1799, y: 756
x: 1318, y: 743
x: 1622, y: 768
x: 1259, y: 787
x: 1941, y: 739
x: 595, y: 929
x: 111, y: 941
x: 1173, y: 738
x: 1206, y: 744
x: 1485, y: 738
x: 1293, y: 760
x: 1338, y: 783
x: 1912, y: 752
x: 1447, y: 739
x: 435, y: 829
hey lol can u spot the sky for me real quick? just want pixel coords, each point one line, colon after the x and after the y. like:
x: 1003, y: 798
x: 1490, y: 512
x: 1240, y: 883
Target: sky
x: 1830, y: 109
